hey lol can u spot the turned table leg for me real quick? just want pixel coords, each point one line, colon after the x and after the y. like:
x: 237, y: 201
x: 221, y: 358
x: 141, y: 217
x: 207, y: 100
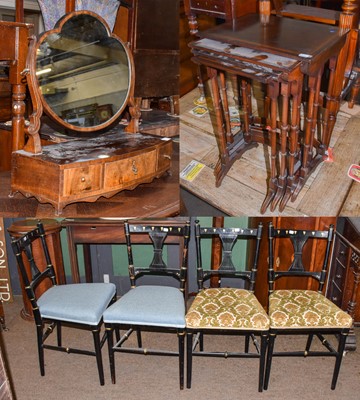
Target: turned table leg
x: 284, y: 130
x: 220, y: 131
x: 310, y: 128
x: 296, y: 91
x: 273, y: 93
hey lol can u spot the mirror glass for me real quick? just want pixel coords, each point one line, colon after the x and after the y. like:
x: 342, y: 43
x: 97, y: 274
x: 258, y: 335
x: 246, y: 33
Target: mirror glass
x: 83, y: 73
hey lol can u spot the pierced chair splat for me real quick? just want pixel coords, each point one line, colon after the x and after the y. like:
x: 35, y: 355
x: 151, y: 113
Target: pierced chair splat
x: 79, y: 305
x: 150, y: 305
x: 231, y: 309
x: 304, y: 311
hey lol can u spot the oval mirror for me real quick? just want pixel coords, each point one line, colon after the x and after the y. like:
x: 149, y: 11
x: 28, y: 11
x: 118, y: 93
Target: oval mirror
x: 84, y: 73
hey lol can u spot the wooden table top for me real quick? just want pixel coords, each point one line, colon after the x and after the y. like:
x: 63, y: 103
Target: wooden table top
x: 303, y: 40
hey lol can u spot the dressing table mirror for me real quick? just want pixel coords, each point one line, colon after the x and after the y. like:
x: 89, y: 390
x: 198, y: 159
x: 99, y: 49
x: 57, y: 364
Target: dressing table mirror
x: 81, y: 77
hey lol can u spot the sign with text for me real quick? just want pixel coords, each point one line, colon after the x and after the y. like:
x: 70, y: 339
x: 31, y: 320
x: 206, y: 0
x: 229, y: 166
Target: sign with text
x: 5, y: 286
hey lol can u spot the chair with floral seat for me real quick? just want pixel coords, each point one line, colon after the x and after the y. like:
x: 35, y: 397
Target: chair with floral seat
x: 304, y: 311
x: 231, y: 308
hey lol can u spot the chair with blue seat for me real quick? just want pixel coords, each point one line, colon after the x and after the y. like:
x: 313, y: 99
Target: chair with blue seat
x: 151, y: 305
x: 305, y: 311
x: 229, y: 308
x: 75, y: 305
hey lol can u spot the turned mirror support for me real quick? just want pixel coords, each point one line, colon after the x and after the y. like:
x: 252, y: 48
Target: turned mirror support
x: 33, y: 144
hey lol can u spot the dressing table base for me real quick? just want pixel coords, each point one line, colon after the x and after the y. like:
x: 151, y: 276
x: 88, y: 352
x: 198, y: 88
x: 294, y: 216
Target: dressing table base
x: 85, y: 170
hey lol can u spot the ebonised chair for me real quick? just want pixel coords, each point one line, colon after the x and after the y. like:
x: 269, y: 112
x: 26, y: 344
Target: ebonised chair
x: 304, y: 311
x: 76, y: 305
x: 232, y: 309
x: 148, y: 305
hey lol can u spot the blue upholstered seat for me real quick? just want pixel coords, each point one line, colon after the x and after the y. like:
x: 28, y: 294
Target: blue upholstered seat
x: 149, y: 306
x: 82, y: 303
x: 79, y: 305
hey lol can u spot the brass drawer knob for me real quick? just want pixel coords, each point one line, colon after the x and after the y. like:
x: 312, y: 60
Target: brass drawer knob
x: 134, y: 168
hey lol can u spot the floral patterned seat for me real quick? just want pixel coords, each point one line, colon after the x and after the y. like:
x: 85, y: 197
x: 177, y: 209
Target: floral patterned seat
x: 227, y: 308
x: 298, y: 309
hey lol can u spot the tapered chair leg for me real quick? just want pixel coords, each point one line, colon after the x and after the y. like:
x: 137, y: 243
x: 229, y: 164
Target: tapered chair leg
x: 58, y: 334
x: 270, y: 350
x: 201, y: 341
x: 263, y: 347
x: 247, y: 342
x: 339, y: 357
x: 139, y: 339
x: 39, y: 331
x: 97, y: 344
x: 309, y: 341
x: 110, y: 341
x: 189, y: 344
x: 117, y: 334
x: 181, y: 341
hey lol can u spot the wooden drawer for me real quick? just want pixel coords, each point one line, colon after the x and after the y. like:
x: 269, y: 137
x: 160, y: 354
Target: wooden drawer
x: 336, y: 295
x: 216, y: 6
x: 342, y: 252
x: 82, y: 180
x: 165, y: 153
x: 339, y: 275
x: 118, y: 173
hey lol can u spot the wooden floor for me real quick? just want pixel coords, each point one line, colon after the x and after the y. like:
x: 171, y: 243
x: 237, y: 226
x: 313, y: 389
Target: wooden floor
x: 329, y: 191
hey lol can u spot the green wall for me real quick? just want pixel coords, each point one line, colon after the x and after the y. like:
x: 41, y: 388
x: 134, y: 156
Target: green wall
x: 240, y: 248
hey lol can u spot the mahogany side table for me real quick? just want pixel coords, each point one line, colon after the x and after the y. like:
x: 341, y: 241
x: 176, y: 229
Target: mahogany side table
x: 286, y: 55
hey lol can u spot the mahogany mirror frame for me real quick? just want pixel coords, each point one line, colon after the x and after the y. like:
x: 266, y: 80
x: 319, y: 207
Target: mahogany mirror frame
x: 39, y: 103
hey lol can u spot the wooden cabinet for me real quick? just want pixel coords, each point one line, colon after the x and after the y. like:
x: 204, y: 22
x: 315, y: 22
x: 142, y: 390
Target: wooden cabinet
x: 344, y: 276
x: 74, y: 171
x: 222, y: 9
x: 5, y: 146
x: 5, y: 98
x: 188, y: 69
x: 153, y: 35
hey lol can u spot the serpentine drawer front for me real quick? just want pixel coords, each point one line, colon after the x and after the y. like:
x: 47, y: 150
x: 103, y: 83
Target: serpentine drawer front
x: 131, y: 169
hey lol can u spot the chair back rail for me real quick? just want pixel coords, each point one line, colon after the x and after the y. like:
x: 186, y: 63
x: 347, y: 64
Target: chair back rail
x: 227, y: 268
x: 158, y: 236
x: 299, y: 238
